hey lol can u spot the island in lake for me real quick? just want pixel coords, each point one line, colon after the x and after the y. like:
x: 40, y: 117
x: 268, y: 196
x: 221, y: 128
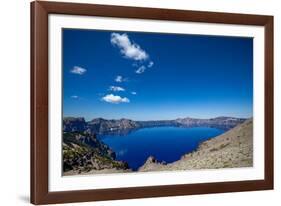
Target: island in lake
x: 187, y: 144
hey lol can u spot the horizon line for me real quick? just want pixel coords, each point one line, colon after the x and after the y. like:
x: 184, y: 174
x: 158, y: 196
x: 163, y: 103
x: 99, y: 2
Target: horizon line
x: 155, y: 119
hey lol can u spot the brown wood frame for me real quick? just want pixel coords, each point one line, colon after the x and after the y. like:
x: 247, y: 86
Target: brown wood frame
x: 39, y: 102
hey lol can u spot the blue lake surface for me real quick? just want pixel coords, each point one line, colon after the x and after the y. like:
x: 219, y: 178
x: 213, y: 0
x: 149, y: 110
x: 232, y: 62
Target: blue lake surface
x: 164, y: 143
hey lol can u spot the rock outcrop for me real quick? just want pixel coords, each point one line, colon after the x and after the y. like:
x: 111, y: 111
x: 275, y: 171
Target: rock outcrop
x: 229, y: 150
x: 83, y: 153
x: 151, y: 164
x: 103, y: 126
x: 74, y: 124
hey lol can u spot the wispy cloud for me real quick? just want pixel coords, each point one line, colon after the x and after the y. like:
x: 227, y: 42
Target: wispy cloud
x: 119, y: 78
x: 150, y: 64
x: 78, y: 70
x: 141, y: 70
x: 135, y: 64
x: 115, y: 99
x: 128, y: 49
x: 116, y: 89
x: 133, y: 93
x: 75, y: 97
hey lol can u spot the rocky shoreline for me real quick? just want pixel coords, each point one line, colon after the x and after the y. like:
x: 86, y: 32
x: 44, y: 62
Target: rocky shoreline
x: 83, y: 153
x: 102, y: 126
x: 230, y: 150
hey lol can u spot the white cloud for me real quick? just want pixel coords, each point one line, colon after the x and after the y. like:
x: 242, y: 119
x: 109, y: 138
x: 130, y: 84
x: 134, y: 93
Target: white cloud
x: 150, y: 64
x: 116, y: 89
x: 114, y: 99
x: 78, y: 70
x: 74, y: 97
x: 120, y: 79
x: 141, y: 70
x: 128, y: 48
x: 133, y: 93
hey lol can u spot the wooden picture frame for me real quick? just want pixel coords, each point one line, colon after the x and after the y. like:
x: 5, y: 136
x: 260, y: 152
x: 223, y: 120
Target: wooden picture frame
x: 39, y: 102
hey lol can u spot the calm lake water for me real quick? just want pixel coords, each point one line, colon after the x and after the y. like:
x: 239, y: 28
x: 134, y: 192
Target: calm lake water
x: 164, y: 143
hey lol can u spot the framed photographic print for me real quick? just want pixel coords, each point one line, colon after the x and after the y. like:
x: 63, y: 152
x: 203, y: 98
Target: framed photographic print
x: 133, y: 102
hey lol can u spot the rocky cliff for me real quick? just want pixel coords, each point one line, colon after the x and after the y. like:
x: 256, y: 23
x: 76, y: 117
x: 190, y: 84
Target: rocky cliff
x: 103, y: 126
x: 229, y: 150
x: 74, y: 124
x: 84, y: 153
x: 218, y: 122
x: 124, y: 126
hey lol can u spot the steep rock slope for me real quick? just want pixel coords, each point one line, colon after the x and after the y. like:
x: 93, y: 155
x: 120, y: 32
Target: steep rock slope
x: 84, y: 153
x: 229, y: 150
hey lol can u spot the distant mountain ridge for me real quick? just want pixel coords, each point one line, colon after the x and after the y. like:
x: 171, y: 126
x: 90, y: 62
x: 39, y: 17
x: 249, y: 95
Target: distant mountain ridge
x: 123, y: 126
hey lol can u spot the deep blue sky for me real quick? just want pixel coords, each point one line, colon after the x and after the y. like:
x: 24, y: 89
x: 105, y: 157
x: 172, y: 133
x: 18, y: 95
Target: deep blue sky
x: 192, y: 75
